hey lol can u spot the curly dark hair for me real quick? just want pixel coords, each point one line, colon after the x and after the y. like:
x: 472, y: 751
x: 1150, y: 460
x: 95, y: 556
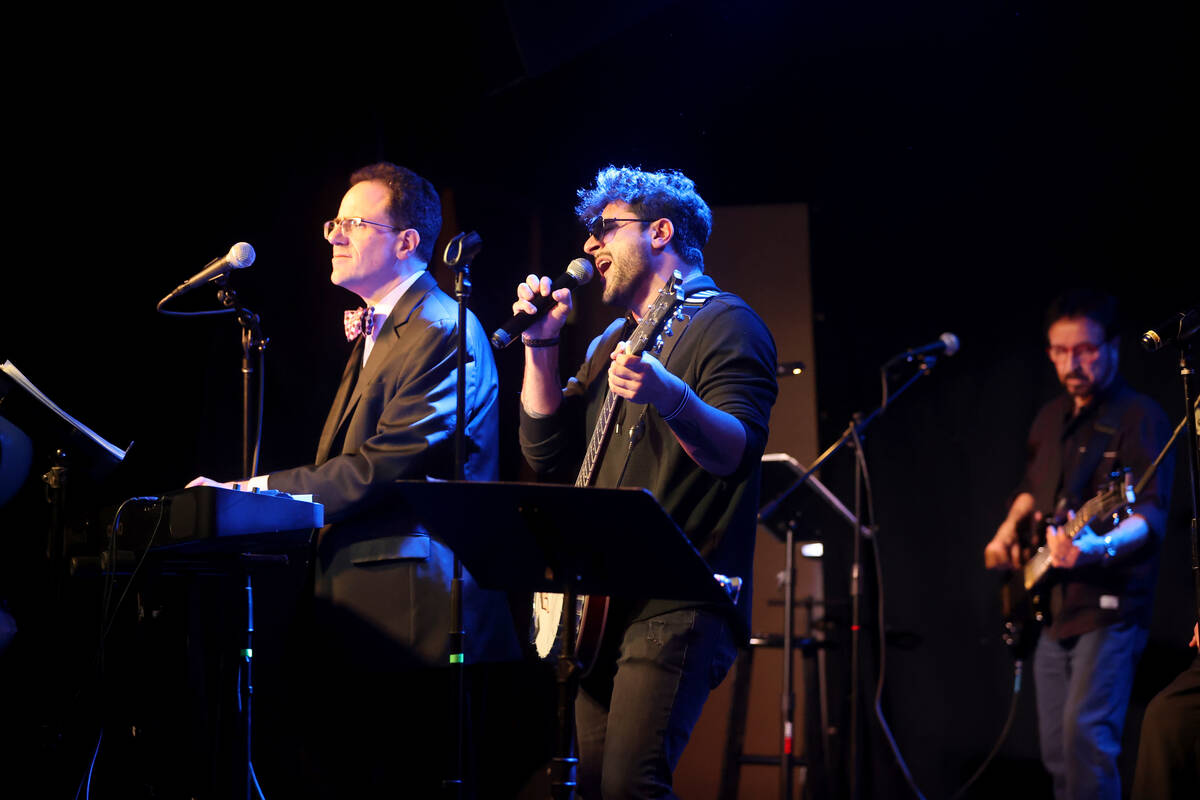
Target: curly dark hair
x: 414, y: 202
x: 1094, y: 304
x: 653, y: 195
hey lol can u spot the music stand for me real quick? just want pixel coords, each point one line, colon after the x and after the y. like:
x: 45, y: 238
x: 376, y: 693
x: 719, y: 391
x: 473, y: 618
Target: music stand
x: 68, y: 444
x: 781, y: 513
x: 528, y: 537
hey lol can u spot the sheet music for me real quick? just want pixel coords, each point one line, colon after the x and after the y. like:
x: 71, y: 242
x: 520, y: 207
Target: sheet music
x: 15, y: 374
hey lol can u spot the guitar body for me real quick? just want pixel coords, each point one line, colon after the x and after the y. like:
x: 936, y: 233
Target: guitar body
x: 1025, y: 609
x: 1024, y: 598
x: 547, y: 626
x: 591, y: 618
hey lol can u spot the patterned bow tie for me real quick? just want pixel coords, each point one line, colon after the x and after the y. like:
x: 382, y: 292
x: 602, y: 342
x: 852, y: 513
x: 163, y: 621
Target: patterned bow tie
x: 360, y: 321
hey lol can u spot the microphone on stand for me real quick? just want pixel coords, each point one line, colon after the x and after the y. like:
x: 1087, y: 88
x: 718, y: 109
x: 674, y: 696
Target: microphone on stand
x: 240, y: 256
x: 947, y: 344
x: 1177, y: 328
x: 578, y: 273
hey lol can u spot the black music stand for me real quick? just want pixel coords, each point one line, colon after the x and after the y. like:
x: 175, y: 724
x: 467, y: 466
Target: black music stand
x: 782, y: 513
x: 528, y: 537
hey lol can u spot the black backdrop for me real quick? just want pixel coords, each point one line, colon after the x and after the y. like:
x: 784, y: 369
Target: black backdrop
x: 962, y: 163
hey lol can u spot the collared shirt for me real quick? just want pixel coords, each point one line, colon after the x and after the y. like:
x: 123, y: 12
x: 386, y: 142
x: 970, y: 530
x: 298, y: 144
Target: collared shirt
x: 1101, y: 594
x: 383, y: 308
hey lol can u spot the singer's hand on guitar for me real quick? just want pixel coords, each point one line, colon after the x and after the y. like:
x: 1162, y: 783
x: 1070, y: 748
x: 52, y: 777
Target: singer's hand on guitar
x: 548, y: 326
x: 643, y: 379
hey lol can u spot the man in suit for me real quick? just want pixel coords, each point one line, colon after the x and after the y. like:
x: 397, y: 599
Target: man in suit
x: 382, y: 585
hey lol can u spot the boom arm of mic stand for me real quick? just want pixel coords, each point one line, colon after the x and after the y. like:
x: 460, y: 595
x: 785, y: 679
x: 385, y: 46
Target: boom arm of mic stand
x: 768, y: 509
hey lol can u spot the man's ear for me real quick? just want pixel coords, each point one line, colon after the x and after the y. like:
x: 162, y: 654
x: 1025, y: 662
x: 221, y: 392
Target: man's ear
x: 662, y: 231
x: 407, y: 242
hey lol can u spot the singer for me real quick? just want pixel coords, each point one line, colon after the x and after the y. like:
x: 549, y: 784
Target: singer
x: 691, y: 430
x: 1084, y: 663
x: 383, y: 721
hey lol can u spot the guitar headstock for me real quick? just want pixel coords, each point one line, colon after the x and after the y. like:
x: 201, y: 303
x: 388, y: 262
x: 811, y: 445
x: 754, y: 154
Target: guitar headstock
x: 664, y: 308
x: 1114, y: 501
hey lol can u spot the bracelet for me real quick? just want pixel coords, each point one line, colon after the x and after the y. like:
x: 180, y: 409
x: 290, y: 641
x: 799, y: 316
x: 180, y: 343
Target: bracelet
x: 687, y: 391
x: 531, y: 342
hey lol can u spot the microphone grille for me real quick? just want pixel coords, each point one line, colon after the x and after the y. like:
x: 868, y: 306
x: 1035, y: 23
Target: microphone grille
x: 581, y: 270
x: 241, y: 255
x: 951, y: 342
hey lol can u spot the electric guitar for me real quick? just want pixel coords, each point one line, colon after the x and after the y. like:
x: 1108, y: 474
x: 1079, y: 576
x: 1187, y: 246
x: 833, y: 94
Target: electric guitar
x: 1023, y: 597
x: 591, y: 612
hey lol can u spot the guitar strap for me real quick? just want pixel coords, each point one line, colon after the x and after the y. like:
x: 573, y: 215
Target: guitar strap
x: 1104, y: 428
x: 670, y: 337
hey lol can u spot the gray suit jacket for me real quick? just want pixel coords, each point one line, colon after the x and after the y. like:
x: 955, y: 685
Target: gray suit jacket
x: 382, y: 583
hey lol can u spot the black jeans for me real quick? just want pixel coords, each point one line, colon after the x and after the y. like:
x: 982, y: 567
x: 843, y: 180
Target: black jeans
x: 633, y: 731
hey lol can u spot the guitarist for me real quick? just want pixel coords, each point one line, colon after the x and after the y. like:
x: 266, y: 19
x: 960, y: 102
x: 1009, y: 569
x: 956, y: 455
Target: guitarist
x: 691, y: 430
x: 1100, y: 605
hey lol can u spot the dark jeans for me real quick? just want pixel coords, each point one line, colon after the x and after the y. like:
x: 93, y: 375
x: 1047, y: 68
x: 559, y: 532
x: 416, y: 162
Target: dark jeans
x: 632, y: 731
x: 1083, y: 684
x: 1168, y: 763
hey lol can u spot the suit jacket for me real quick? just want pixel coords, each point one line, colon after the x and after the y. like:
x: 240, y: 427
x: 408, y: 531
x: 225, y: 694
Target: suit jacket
x: 382, y: 583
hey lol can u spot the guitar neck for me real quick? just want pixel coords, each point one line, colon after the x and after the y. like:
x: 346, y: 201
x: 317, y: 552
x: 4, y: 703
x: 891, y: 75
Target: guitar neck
x: 639, y: 341
x: 599, y: 438
x: 1098, y: 507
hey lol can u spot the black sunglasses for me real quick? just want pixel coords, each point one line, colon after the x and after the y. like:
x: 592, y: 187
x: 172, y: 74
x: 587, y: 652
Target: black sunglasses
x: 599, y: 226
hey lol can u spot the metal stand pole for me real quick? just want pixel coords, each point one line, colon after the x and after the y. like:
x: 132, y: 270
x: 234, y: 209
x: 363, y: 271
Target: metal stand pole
x: 788, y: 697
x: 460, y: 251
x: 247, y: 686
x: 563, y: 777
x: 1193, y: 447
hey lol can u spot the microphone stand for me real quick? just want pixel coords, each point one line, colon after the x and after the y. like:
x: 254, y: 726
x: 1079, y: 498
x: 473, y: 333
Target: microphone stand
x: 460, y: 251
x: 252, y: 339
x: 1186, y: 371
x: 854, y: 434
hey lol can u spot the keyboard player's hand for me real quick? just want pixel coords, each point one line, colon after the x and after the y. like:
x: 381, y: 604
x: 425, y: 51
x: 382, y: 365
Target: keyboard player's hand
x: 203, y: 481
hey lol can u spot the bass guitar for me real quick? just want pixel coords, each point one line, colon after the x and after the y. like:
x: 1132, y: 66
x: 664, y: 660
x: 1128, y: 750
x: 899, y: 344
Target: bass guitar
x: 1023, y: 596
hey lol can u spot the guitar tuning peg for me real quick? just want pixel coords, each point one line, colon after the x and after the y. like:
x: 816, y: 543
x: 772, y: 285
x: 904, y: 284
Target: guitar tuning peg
x: 668, y: 330
x: 658, y: 344
x: 678, y: 313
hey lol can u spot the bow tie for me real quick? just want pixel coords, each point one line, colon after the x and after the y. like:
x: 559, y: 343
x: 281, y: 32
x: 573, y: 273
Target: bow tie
x: 360, y: 321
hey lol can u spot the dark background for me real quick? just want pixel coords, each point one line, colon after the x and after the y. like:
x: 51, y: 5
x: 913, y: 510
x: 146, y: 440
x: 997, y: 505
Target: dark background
x: 962, y: 164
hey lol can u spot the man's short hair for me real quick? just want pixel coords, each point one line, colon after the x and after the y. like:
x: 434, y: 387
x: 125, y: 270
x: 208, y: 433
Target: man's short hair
x: 413, y: 203
x: 653, y: 195
x: 1097, y: 306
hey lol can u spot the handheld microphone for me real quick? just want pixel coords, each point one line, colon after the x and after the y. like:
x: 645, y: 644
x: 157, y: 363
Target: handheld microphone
x: 1177, y: 328
x: 240, y: 256
x: 947, y: 344
x: 578, y: 273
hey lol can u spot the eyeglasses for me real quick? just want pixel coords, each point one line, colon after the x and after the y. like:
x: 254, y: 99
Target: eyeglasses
x: 350, y: 223
x: 599, y: 226
x: 1084, y: 351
